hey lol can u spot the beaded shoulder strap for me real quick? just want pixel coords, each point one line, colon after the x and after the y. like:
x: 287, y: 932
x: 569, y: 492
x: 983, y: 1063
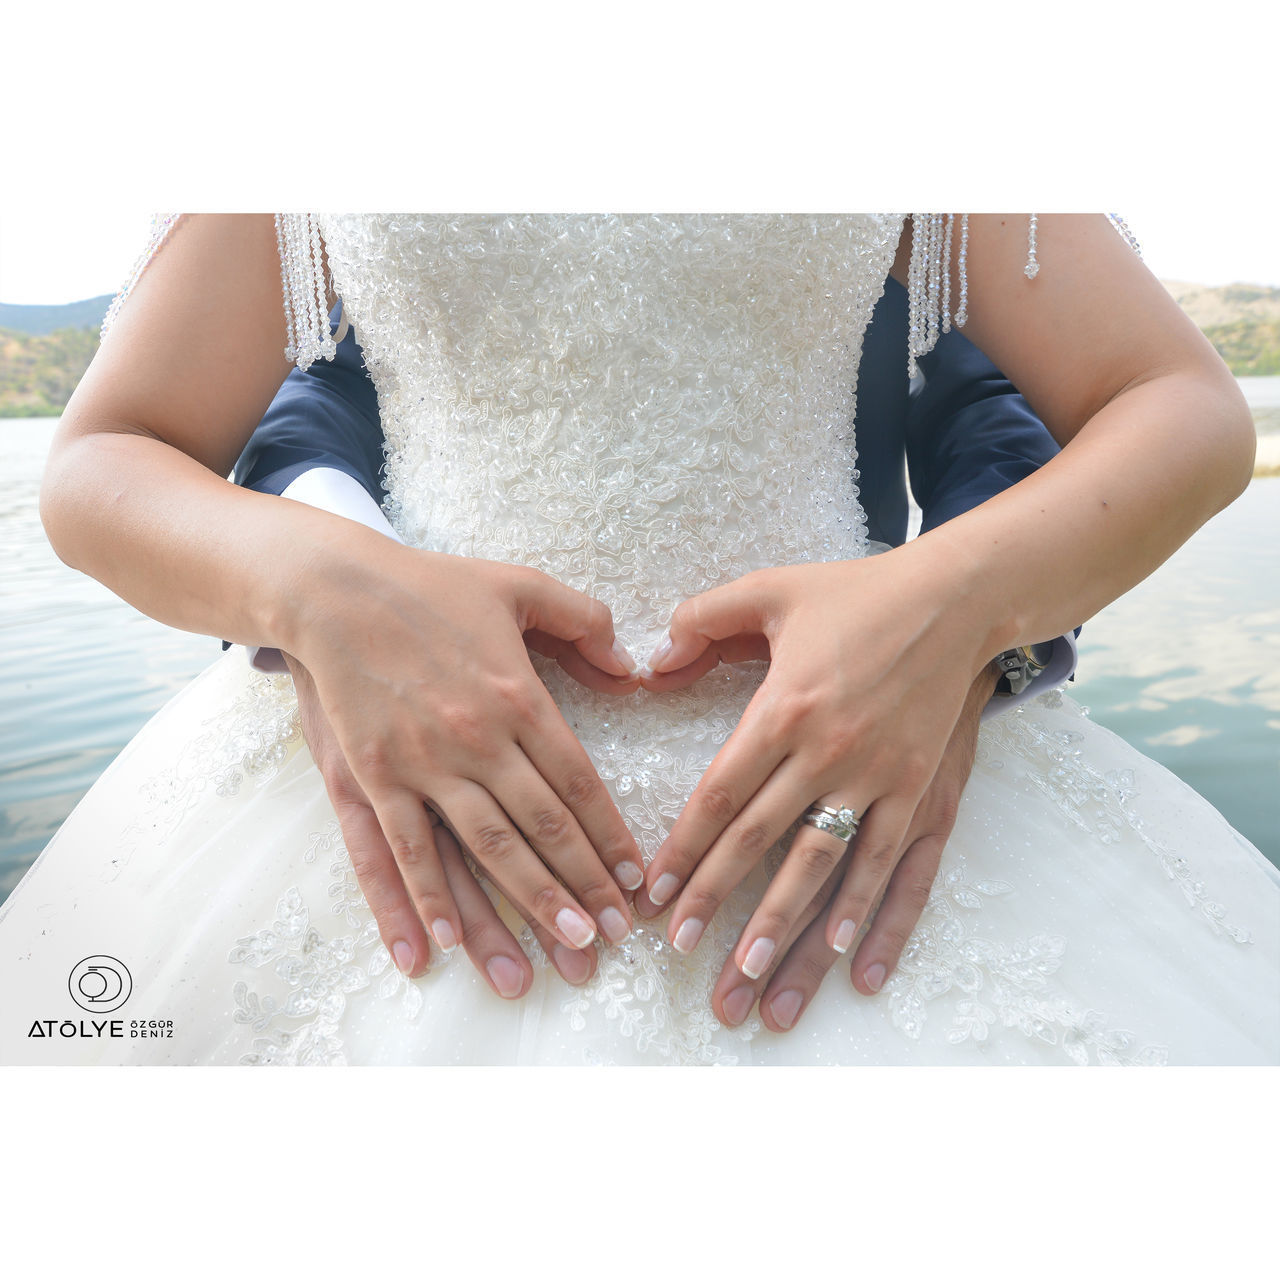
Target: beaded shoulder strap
x: 302, y: 277
x: 935, y: 236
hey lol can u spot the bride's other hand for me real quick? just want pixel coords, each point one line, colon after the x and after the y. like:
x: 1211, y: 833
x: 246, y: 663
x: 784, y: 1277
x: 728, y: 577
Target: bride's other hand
x: 419, y: 660
x: 803, y: 960
x: 391, y: 890
x: 863, y: 692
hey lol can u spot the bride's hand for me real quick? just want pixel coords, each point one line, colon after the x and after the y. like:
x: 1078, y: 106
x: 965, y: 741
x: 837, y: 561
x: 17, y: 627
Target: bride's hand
x: 801, y: 964
x: 391, y: 891
x: 419, y: 660
x: 871, y: 661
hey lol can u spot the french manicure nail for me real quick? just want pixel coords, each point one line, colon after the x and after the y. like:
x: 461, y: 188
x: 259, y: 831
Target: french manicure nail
x: 574, y: 927
x: 656, y: 657
x: 874, y: 976
x: 625, y: 658
x: 614, y: 925
x: 844, y: 936
x: 663, y: 888
x: 737, y: 1004
x: 506, y: 976
x: 628, y: 875
x: 403, y: 954
x: 785, y: 1007
x: 442, y: 932
x: 687, y: 936
x: 573, y: 966
x: 758, y: 957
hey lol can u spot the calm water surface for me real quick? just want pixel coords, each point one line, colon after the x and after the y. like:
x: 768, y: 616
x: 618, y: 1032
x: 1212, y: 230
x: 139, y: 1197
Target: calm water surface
x: 1186, y: 667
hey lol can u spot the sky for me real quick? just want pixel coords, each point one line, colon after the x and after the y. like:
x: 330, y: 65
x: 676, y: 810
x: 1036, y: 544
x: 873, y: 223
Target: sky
x: 45, y: 260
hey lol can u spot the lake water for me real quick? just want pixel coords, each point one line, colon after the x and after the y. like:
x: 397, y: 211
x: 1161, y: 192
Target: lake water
x: 1186, y: 666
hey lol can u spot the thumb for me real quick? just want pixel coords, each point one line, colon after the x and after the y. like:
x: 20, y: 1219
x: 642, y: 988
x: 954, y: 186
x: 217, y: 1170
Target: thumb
x: 733, y: 620
x: 543, y: 604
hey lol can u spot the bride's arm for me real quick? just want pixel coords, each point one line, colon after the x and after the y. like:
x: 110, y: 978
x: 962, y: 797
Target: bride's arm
x: 871, y: 660
x: 419, y: 659
x: 1157, y: 436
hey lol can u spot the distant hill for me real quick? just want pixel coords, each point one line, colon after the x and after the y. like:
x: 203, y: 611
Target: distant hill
x: 42, y: 320
x: 1241, y: 320
x: 44, y: 351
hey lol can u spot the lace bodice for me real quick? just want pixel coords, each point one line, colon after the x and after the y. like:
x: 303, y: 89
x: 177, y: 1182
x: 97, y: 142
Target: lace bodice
x: 643, y: 406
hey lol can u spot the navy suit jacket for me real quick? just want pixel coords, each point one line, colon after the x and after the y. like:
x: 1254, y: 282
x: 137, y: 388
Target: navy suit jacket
x: 966, y: 434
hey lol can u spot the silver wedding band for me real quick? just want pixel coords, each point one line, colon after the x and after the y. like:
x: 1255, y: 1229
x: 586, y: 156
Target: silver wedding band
x: 841, y: 823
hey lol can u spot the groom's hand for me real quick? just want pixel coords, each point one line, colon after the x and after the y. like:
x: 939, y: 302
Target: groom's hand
x: 389, y: 887
x: 790, y: 984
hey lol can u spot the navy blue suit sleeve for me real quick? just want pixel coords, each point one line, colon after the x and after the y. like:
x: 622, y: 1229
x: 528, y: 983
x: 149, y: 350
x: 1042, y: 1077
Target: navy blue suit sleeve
x: 969, y: 434
x: 325, y: 417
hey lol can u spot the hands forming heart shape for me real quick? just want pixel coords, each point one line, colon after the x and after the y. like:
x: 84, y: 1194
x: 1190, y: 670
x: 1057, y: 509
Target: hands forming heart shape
x: 863, y: 706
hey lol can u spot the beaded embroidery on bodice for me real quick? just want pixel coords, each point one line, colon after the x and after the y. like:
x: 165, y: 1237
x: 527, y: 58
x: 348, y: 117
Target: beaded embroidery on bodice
x: 641, y: 406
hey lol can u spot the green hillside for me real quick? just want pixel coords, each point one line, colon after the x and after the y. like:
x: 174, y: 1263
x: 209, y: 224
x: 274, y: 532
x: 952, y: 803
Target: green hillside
x: 44, y: 351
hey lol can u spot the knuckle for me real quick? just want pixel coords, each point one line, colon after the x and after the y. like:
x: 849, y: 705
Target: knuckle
x: 815, y: 861
x: 752, y: 839
x: 551, y: 825
x: 773, y: 924
x: 411, y: 852
x: 700, y: 903
x: 580, y: 788
x: 545, y: 902
x: 463, y: 726
x: 916, y: 892
x: 718, y: 803
x: 878, y: 855
x: 813, y: 968
x: 479, y: 934
x: 946, y: 808
x: 493, y: 843
x: 893, y: 938
x: 914, y: 771
x: 373, y: 759
x: 593, y: 890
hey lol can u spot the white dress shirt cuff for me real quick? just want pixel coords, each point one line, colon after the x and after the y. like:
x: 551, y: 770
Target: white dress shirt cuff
x: 1059, y: 669
x: 341, y: 495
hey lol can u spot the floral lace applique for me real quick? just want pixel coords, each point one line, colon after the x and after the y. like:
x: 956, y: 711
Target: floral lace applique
x: 251, y: 739
x: 318, y: 973
x: 997, y: 985
x: 1101, y: 804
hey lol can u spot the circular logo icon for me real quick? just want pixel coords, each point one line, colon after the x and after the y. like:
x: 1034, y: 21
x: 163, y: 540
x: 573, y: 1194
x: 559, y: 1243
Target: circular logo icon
x: 100, y: 984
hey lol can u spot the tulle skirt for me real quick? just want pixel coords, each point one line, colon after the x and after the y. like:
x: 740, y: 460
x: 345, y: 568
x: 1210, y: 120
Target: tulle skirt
x: 199, y: 907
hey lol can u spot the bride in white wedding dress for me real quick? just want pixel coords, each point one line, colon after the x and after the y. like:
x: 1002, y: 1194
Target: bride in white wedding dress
x: 650, y: 411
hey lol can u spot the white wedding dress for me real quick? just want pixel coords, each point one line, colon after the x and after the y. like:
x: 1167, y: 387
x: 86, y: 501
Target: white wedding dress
x: 643, y: 407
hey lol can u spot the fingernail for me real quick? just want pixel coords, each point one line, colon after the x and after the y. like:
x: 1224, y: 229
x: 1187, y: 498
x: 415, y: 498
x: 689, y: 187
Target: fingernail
x: 506, y: 976
x: 687, y: 936
x: 758, y: 957
x: 442, y: 932
x: 614, y: 924
x: 874, y: 976
x: 574, y: 927
x: 785, y: 1008
x: 403, y: 955
x: 628, y: 875
x: 625, y: 658
x: 572, y: 965
x: 737, y: 1004
x: 654, y: 660
x: 844, y: 936
x: 663, y: 888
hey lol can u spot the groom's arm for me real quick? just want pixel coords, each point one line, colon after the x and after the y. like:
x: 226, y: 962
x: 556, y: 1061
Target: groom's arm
x: 969, y: 436
x: 320, y: 442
